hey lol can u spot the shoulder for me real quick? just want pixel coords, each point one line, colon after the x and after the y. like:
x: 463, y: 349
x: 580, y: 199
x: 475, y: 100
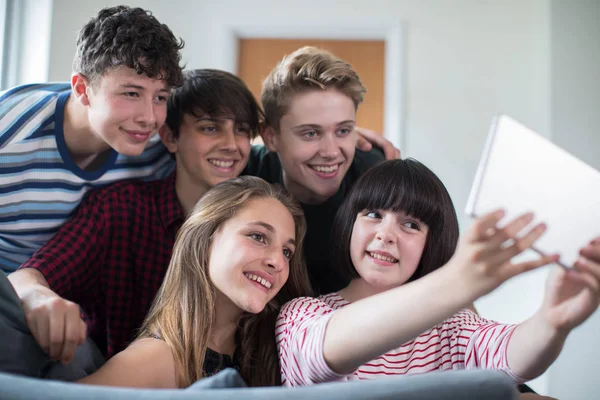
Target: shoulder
x: 125, y: 192
x: 366, y: 159
x: 264, y: 164
x: 304, y: 306
x: 40, y: 90
x: 18, y: 101
x: 24, y: 109
x: 145, y: 363
x: 363, y: 160
x: 465, y: 319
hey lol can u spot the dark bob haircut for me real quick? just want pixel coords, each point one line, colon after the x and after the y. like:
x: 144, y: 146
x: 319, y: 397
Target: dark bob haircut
x: 399, y: 185
x: 214, y: 93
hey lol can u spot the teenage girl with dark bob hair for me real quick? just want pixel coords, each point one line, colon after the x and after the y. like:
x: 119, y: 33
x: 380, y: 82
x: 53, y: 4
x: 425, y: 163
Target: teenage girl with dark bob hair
x: 411, y: 281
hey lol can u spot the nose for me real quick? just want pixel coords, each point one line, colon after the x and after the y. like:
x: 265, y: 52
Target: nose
x: 275, y: 260
x: 228, y: 142
x: 329, y: 146
x: 147, y: 113
x: 386, y: 231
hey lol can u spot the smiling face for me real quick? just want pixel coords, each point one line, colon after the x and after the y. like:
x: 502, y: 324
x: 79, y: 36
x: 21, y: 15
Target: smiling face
x: 124, y: 109
x: 250, y: 254
x: 208, y: 150
x: 386, y: 247
x: 316, y: 143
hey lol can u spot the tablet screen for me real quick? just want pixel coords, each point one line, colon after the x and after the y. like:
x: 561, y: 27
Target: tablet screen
x: 522, y: 171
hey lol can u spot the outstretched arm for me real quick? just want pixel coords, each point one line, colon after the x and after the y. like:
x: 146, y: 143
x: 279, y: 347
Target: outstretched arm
x: 480, y: 264
x: 571, y: 297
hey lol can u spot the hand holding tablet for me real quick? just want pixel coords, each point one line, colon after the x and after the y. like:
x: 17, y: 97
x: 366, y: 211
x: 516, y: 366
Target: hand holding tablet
x: 521, y: 171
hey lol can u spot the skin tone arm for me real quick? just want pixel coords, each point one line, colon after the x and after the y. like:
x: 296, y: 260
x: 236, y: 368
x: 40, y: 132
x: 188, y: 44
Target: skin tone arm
x: 146, y: 363
x: 55, y: 323
x: 571, y: 297
x: 481, y: 263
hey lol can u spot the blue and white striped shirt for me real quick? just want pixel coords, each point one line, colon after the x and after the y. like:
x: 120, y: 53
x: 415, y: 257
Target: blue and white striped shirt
x: 40, y: 184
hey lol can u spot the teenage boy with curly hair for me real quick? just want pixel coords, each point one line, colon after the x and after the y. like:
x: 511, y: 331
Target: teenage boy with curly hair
x: 59, y: 140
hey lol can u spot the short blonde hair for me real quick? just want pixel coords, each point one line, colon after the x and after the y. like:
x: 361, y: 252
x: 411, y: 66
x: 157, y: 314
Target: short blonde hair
x: 308, y: 68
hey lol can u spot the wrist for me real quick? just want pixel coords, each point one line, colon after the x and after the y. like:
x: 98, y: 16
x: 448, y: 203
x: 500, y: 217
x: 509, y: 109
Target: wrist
x: 549, y: 330
x: 454, y: 289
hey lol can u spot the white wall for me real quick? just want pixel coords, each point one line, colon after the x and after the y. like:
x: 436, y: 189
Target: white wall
x: 575, y: 88
x: 28, y: 42
x: 467, y: 60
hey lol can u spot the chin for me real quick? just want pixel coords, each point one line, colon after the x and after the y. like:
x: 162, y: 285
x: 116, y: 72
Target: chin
x: 131, y: 151
x: 254, y: 308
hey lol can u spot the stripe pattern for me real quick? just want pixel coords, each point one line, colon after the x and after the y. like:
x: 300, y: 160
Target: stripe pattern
x: 40, y: 184
x: 463, y: 341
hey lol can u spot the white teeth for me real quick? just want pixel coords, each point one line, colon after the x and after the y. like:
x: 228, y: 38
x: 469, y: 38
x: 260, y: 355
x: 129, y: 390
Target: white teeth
x: 325, y: 169
x: 383, y: 258
x: 222, y: 164
x: 258, y: 279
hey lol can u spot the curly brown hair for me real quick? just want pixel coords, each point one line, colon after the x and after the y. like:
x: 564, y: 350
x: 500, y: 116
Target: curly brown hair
x: 132, y: 37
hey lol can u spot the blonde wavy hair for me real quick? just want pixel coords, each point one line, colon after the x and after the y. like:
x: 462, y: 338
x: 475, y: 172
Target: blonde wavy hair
x: 183, y: 311
x: 308, y: 68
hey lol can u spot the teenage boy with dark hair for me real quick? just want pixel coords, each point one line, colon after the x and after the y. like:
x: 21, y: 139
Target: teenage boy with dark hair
x: 110, y: 258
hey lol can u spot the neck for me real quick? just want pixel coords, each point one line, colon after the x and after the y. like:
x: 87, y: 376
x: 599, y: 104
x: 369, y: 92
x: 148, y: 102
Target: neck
x: 188, y: 192
x: 222, y: 337
x: 359, y: 289
x: 83, y: 145
x: 301, y: 193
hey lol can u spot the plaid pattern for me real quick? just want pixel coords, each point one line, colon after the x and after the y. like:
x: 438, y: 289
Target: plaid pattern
x: 112, y: 255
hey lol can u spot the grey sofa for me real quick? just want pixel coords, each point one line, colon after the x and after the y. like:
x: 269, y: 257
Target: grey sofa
x: 474, y: 384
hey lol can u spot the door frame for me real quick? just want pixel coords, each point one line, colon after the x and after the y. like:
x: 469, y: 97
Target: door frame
x: 393, y: 33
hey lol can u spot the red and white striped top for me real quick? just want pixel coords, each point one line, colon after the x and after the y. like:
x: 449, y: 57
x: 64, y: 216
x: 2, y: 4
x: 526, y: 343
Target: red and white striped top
x: 463, y: 341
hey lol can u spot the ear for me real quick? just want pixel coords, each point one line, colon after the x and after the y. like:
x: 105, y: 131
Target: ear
x: 168, y: 139
x: 80, y: 85
x: 270, y: 137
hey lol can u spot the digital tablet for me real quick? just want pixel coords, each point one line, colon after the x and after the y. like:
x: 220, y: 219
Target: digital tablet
x: 522, y: 171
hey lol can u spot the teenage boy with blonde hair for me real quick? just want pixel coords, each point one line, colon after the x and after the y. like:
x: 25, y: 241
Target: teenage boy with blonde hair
x: 310, y: 101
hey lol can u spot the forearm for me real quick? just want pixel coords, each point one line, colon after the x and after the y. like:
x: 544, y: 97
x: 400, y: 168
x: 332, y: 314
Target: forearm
x: 533, y: 347
x: 370, y: 327
x: 28, y: 280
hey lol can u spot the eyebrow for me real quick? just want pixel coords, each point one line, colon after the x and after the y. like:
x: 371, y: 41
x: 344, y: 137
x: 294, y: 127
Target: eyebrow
x: 270, y: 228
x: 220, y: 120
x: 209, y: 119
x: 317, y: 126
x: 138, y: 87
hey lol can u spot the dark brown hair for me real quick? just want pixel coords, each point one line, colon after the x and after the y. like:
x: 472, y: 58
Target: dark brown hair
x: 399, y: 185
x: 131, y: 37
x: 215, y: 93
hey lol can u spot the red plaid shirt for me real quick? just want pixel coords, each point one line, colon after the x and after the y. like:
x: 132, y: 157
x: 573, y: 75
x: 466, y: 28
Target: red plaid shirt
x: 112, y: 255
